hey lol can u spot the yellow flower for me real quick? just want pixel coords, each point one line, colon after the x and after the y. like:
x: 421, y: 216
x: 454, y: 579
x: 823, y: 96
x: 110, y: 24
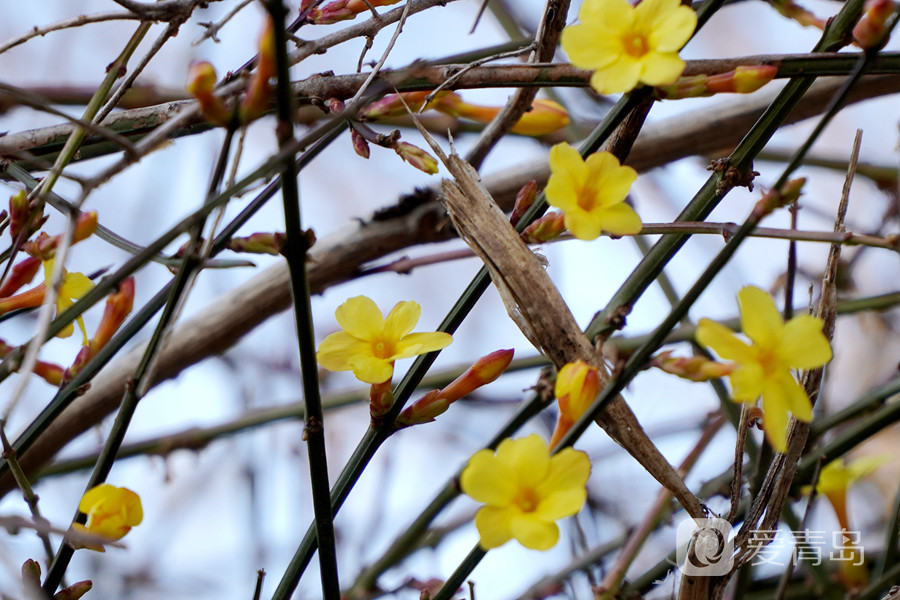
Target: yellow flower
x: 625, y: 45
x: 74, y: 286
x: 591, y: 192
x: 525, y: 491
x: 111, y: 512
x: 370, y: 344
x: 764, y: 367
x: 577, y: 386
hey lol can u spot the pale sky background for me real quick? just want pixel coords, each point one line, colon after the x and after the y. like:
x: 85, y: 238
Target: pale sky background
x: 204, y: 533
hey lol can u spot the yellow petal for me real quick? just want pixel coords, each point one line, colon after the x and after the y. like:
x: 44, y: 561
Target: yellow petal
x: 672, y: 27
x: 371, y: 369
x: 760, y: 319
x: 489, y: 480
x: 661, y: 68
x: 494, y: 526
x: 747, y: 382
x: 582, y: 224
x: 94, y: 496
x: 723, y: 341
x: 620, y: 76
x: 528, y: 458
x: 561, y: 504
x: 75, y: 285
x: 569, y: 469
x: 421, y: 343
x: 804, y: 346
x: 359, y: 316
x: 793, y: 396
x: 617, y: 15
x: 619, y: 220
x: 775, y: 417
x: 338, y: 349
x: 534, y: 533
x: 566, y: 163
x: 401, y: 320
x: 611, y: 180
x: 580, y: 43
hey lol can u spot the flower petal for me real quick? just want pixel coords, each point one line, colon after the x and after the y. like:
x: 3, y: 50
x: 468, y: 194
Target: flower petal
x: 336, y: 351
x: 617, y: 15
x: 401, y: 320
x: 611, y: 180
x: 620, y: 76
x: 804, y: 346
x: 75, y: 285
x: 582, y: 224
x: 371, y: 369
x: 568, y: 469
x: 619, y: 220
x: 420, y: 343
x: 534, y: 533
x: 489, y: 480
x: 792, y: 396
x: 747, y: 382
x: 723, y: 341
x: 760, y: 319
x: 528, y: 458
x: 567, y: 165
x: 661, y: 68
x: 669, y: 23
x: 561, y: 504
x: 494, y: 526
x: 359, y: 316
x: 775, y: 417
x: 580, y: 43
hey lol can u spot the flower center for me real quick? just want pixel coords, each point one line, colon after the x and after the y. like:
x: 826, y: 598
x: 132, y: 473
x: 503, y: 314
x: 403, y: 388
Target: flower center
x: 587, y: 199
x: 635, y: 44
x: 382, y: 348
x: 527, y: 499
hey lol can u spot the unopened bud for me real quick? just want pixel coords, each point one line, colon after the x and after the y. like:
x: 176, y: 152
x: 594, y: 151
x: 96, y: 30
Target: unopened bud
x: 258, y: 243
x: 485, y: 370
x: 74, y: 591
x: 360, y: 145
x: 871, y: 31
x: 524, y: 200
x: 21, y: 274
x: 417, y: 157
x: 423, y: 410
x: 201, y: 82
x: 44, y: 246
x: 545, y: 116
x: 342, y: 10
x: 31, y: 574
x: 774, y: 199
x: 694, y: 368
x: 550, y: 226
x: 577, y: 386
x: 742, y: 80
x: 20, y: 216
x: 256, y: 100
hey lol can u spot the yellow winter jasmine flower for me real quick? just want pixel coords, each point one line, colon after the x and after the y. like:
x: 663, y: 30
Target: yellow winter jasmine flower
x: 764, y: 366
x: 74, y: 286
x: 625, y: 45
x: 591, y: 192
x: 111, y: 512
x: 525, y: 491
x: 577, y: 386
x: 370, y: 343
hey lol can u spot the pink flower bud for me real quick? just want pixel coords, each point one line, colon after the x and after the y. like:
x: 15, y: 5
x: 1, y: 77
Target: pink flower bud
x: 360, y: 145
x: 21, y: 274
x: 550, y: 226
x: 774, y: 199
x: 871, y: 31
x: 524, y: 200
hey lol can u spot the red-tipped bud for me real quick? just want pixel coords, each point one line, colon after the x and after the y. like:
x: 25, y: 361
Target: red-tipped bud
x: 485, y: 370
x: 258, y: 243
x: 21, y: 274
x: 44, y: 246
x: 550, y: 226
x: 423, y: 410
x: 201, y: 82
x: 342, y: 10
x: 695, y: 368
x: 50, y: 372
x: 524, y: 200
x: 577, y: 386
x: 360, y: 145
x: 381, y: 397
x: 871, y: 32
x: 118, y: 306
x: 774, y: 199
x: 256, y: 100
x: 417, y: 157
x: 28, y: 299
x: 31, y: 574
x: 74, y: 591
x: 742, y: 80
x: 392, y: 105
x: 545, y: 117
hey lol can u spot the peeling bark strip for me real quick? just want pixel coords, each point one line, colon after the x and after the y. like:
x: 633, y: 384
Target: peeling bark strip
x: 539, y: 310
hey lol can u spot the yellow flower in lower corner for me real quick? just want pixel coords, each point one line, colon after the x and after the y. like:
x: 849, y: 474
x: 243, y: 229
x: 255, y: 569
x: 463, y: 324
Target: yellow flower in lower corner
x: 111, y: 512
x: 74, y: 286
x: 525, y: 491
x: 591, y: 192
x: 764, y: 366
x: 370, y: 343
x: 626, y: 45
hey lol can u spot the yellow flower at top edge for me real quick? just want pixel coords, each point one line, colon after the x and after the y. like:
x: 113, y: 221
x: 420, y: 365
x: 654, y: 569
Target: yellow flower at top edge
x: 74, y: 286
x: 626, y: 45
x: 764, y: 366
x: 525, y: 491
x: 111, y: 512
x: 591, y: 193
x: 370, y: 343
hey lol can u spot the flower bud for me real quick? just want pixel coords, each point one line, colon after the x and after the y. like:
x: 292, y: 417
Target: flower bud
x: 20, y: 213
x: 44, y: 246
x: 485, y: 370
x: 695, y: 368
x: 21, y: 274
x: 524, y: 200
x: 360, y: 145
x: 74, y: 591
x: 871, y: 31
x: 342, y: 10
x: 774, y: 199
x: 258, y: 243
x: 742, y: 80
x: 577, y: 386
x: 545, y: 116
x: 201, y: 82
x: 417, y: 157
x: 256, y: 100
x: 550, y: 226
